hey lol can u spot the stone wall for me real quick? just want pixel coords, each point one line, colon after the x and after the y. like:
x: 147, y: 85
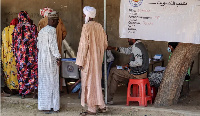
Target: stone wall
x: 71, y: 13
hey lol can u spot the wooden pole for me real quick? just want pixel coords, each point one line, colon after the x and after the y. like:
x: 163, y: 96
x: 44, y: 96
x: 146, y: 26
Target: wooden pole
x: 105, y: 58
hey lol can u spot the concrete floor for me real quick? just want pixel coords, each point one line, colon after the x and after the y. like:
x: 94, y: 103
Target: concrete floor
x: 70, y: 106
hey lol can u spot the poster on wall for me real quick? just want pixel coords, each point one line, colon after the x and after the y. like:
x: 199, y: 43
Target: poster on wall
x: 160, y: 20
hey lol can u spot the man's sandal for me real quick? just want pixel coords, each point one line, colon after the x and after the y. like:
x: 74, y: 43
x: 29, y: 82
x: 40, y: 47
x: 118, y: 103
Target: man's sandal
x: 56, y: 111
x: 87, y: 113
x: 48, y: 112
x: 102, y: 110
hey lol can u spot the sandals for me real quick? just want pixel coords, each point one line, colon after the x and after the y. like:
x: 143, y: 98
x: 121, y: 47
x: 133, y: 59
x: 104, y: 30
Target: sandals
x: 92, y: 113
x: 102, y: 110
x: 50, y: 112
x: 23, y: 97
x: 87, y: 113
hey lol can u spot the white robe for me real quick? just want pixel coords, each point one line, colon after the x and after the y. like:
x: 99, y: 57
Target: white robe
x: 48, y: 71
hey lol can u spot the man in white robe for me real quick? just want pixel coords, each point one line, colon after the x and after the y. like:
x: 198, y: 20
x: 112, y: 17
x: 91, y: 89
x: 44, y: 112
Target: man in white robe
x: 48, y: 66
x: 93, y: 43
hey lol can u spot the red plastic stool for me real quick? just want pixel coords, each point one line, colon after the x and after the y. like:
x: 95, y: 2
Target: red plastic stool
x: 139, y: 91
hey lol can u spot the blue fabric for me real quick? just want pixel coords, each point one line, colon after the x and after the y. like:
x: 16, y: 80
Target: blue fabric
x: 108, y: 68
x: 69, y: 59
x: 76, y: 88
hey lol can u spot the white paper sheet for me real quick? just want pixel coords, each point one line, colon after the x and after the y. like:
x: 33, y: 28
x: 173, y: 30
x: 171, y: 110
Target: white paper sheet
x: 160, y: 20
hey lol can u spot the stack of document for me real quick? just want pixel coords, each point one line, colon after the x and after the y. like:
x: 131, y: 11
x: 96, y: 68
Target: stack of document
x: 158, y: 57
x: 159, y: 68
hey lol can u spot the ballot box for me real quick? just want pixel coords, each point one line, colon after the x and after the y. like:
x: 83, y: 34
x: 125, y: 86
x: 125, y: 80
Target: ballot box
x: 69, y: 68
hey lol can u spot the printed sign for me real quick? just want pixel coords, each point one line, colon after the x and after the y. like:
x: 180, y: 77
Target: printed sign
x: 162, y: 20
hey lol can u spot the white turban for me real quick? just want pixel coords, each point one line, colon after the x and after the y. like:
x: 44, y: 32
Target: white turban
x: 90, y: 12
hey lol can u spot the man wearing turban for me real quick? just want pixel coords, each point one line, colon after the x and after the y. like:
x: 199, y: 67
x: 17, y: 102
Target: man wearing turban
x: 93, y: 43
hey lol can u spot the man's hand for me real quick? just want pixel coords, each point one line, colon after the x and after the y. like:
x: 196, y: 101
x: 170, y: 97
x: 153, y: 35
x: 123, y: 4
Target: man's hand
x: 80, y: 67
x: 58, y: 62
x: 125, y: 66
x: 111, y: 48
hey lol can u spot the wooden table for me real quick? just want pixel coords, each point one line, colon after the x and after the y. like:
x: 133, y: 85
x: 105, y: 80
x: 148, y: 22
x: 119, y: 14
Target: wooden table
x: 153, y: 62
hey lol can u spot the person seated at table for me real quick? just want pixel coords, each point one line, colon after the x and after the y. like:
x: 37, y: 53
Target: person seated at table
x: 136, y: 69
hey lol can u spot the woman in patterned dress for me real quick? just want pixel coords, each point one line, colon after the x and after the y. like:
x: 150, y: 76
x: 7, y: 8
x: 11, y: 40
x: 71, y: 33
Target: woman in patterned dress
x: 25, y: 51
x: 7, y: 57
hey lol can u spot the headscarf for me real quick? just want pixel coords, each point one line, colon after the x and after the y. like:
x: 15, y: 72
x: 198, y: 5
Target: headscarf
x: 25, y: 51
x: 45, y: 11
x: 14, y: 22
x: 24, y: 30
x: 90, y: 12
x: 24, y: 18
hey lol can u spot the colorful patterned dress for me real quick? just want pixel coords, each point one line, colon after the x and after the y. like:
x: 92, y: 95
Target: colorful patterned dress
x: 7, y: 56
x: 25, y: 51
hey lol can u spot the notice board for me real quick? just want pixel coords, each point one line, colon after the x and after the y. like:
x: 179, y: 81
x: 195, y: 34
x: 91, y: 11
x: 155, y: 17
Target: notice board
x: 160, y: 20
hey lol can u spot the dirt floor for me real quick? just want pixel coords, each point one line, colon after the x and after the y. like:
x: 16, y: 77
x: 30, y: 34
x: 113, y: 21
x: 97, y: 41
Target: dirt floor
x: 70, y: 105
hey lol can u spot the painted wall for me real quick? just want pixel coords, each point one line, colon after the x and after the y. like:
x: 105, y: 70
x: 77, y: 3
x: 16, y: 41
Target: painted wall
x: 71, y: 13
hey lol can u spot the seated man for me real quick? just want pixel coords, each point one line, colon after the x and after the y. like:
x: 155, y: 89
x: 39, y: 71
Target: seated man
x: 138, y: 66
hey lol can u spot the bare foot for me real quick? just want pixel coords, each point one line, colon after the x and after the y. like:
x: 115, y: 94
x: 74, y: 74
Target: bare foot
x: 5, y: 94
x: 23, y: 96
x: 35, y: 96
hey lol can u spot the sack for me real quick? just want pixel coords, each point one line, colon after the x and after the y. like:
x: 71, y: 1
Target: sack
x: 155, y: 78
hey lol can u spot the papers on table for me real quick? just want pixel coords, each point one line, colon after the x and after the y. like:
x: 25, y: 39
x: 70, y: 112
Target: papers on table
x: 158, y: 57
x: 159, y: 68
x: 119, y: 67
